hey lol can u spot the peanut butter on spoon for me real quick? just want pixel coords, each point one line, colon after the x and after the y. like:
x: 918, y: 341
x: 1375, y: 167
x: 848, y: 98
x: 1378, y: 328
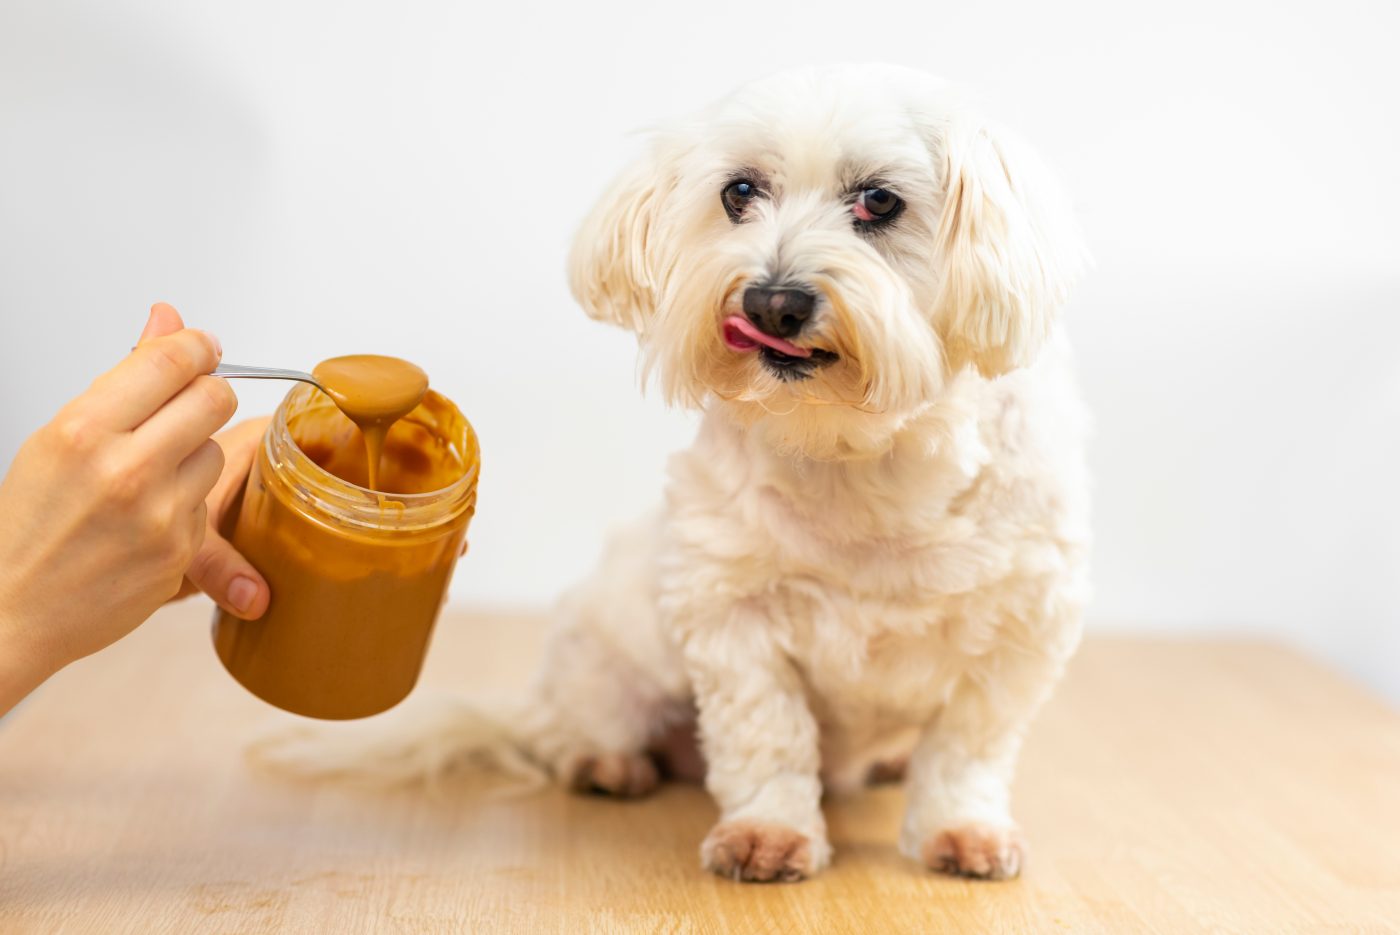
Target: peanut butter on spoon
x: 374, y: 392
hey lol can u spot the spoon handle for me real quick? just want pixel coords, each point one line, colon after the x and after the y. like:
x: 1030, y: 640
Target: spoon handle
x: 262, y: 373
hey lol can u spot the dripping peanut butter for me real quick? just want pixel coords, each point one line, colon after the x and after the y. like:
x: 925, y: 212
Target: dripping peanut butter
x: 374, y: 392
x: 358, y: 568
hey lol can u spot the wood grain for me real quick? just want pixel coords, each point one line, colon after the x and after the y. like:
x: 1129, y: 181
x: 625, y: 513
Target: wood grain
x: 1169, y: 787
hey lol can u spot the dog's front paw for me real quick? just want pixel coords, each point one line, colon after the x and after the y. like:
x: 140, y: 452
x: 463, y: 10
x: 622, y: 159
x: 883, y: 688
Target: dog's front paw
x: 625, y: 775
x: 986, y: 852
x: 762, y: 852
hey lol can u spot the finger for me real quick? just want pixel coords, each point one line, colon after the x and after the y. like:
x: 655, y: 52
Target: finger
x: 219, y: 571
x: 127, y: 395
x: 198, y: 473
x: 196, y: 525
x: 199, y: 527
x: 186, y: 589
x: 163, y: 320
x: 240, y: 445
x: 186, y: 422
x: 241, y: 441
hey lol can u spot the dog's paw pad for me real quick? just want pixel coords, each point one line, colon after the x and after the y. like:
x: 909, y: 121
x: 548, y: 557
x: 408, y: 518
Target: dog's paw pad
x: 757, y: 852
x: 625, y: 775
x: 981, y: 851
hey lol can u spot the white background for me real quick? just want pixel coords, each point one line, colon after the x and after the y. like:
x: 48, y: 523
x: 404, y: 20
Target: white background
x: 309, y: 179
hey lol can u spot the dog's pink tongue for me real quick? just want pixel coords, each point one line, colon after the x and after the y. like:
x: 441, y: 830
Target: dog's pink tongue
x: 740, y: 334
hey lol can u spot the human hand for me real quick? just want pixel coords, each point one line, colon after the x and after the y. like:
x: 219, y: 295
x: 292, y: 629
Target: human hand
x: 104, y: 506
x: 218, y: 570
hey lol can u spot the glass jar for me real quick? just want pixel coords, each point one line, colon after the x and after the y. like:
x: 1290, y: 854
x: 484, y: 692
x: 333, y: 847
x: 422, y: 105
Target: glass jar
x: 357, y: 576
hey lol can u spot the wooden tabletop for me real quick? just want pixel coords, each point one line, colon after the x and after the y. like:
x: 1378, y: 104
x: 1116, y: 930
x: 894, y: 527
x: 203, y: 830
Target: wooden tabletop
x: 1169, y: 787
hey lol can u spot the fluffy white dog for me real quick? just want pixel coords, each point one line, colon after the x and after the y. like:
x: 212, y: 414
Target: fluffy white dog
x: 874, y: 555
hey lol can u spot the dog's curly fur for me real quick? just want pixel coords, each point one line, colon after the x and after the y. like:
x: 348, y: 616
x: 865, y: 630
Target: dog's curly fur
x: 882, y: 563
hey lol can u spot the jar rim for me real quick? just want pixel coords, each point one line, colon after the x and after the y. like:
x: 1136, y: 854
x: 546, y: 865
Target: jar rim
x: 360, y: 507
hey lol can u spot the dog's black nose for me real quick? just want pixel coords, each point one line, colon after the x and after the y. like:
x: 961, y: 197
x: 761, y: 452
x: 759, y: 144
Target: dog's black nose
x: 779, y: 312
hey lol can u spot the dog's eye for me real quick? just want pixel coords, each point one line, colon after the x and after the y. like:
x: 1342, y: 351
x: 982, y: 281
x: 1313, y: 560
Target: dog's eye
x: 736, y: 197
x: 876, y: 205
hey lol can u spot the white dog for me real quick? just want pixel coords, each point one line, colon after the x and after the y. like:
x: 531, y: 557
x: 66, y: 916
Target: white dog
x: 875, y: 552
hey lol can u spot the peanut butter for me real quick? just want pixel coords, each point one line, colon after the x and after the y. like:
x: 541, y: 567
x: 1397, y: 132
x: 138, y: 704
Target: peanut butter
x: 357, y: 577
x: 374, y: 392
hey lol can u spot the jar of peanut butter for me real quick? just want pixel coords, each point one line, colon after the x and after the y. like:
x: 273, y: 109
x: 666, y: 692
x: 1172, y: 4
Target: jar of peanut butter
x: 357, y: 575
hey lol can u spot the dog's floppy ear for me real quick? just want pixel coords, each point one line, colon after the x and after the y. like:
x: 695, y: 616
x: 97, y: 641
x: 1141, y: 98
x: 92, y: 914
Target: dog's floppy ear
x: 614, y: 260
x: 1007, y: 248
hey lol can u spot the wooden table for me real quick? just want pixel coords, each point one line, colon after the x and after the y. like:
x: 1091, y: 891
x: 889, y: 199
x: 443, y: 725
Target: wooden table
x: 1170, y: 787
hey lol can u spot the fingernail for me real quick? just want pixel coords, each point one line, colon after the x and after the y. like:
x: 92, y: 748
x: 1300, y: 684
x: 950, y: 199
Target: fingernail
x: 218, y: 347
x: 241, y: 594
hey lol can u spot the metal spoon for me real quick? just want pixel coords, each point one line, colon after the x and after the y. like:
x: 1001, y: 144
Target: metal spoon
x: 264, y: 373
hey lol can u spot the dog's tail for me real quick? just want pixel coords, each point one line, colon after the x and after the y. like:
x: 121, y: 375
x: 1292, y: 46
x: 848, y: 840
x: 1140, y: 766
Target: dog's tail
x: 422, y: 741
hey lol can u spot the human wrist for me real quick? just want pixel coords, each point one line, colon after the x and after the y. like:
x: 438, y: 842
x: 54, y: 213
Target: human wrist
x: 26, y: 658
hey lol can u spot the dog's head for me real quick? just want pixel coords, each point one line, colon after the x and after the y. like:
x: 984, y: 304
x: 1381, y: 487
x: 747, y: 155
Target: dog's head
x: 823, y: 250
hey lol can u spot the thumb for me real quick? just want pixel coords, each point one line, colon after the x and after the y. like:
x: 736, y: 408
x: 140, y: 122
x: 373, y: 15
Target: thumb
x: 219, y: 571
x: 163, y: 320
